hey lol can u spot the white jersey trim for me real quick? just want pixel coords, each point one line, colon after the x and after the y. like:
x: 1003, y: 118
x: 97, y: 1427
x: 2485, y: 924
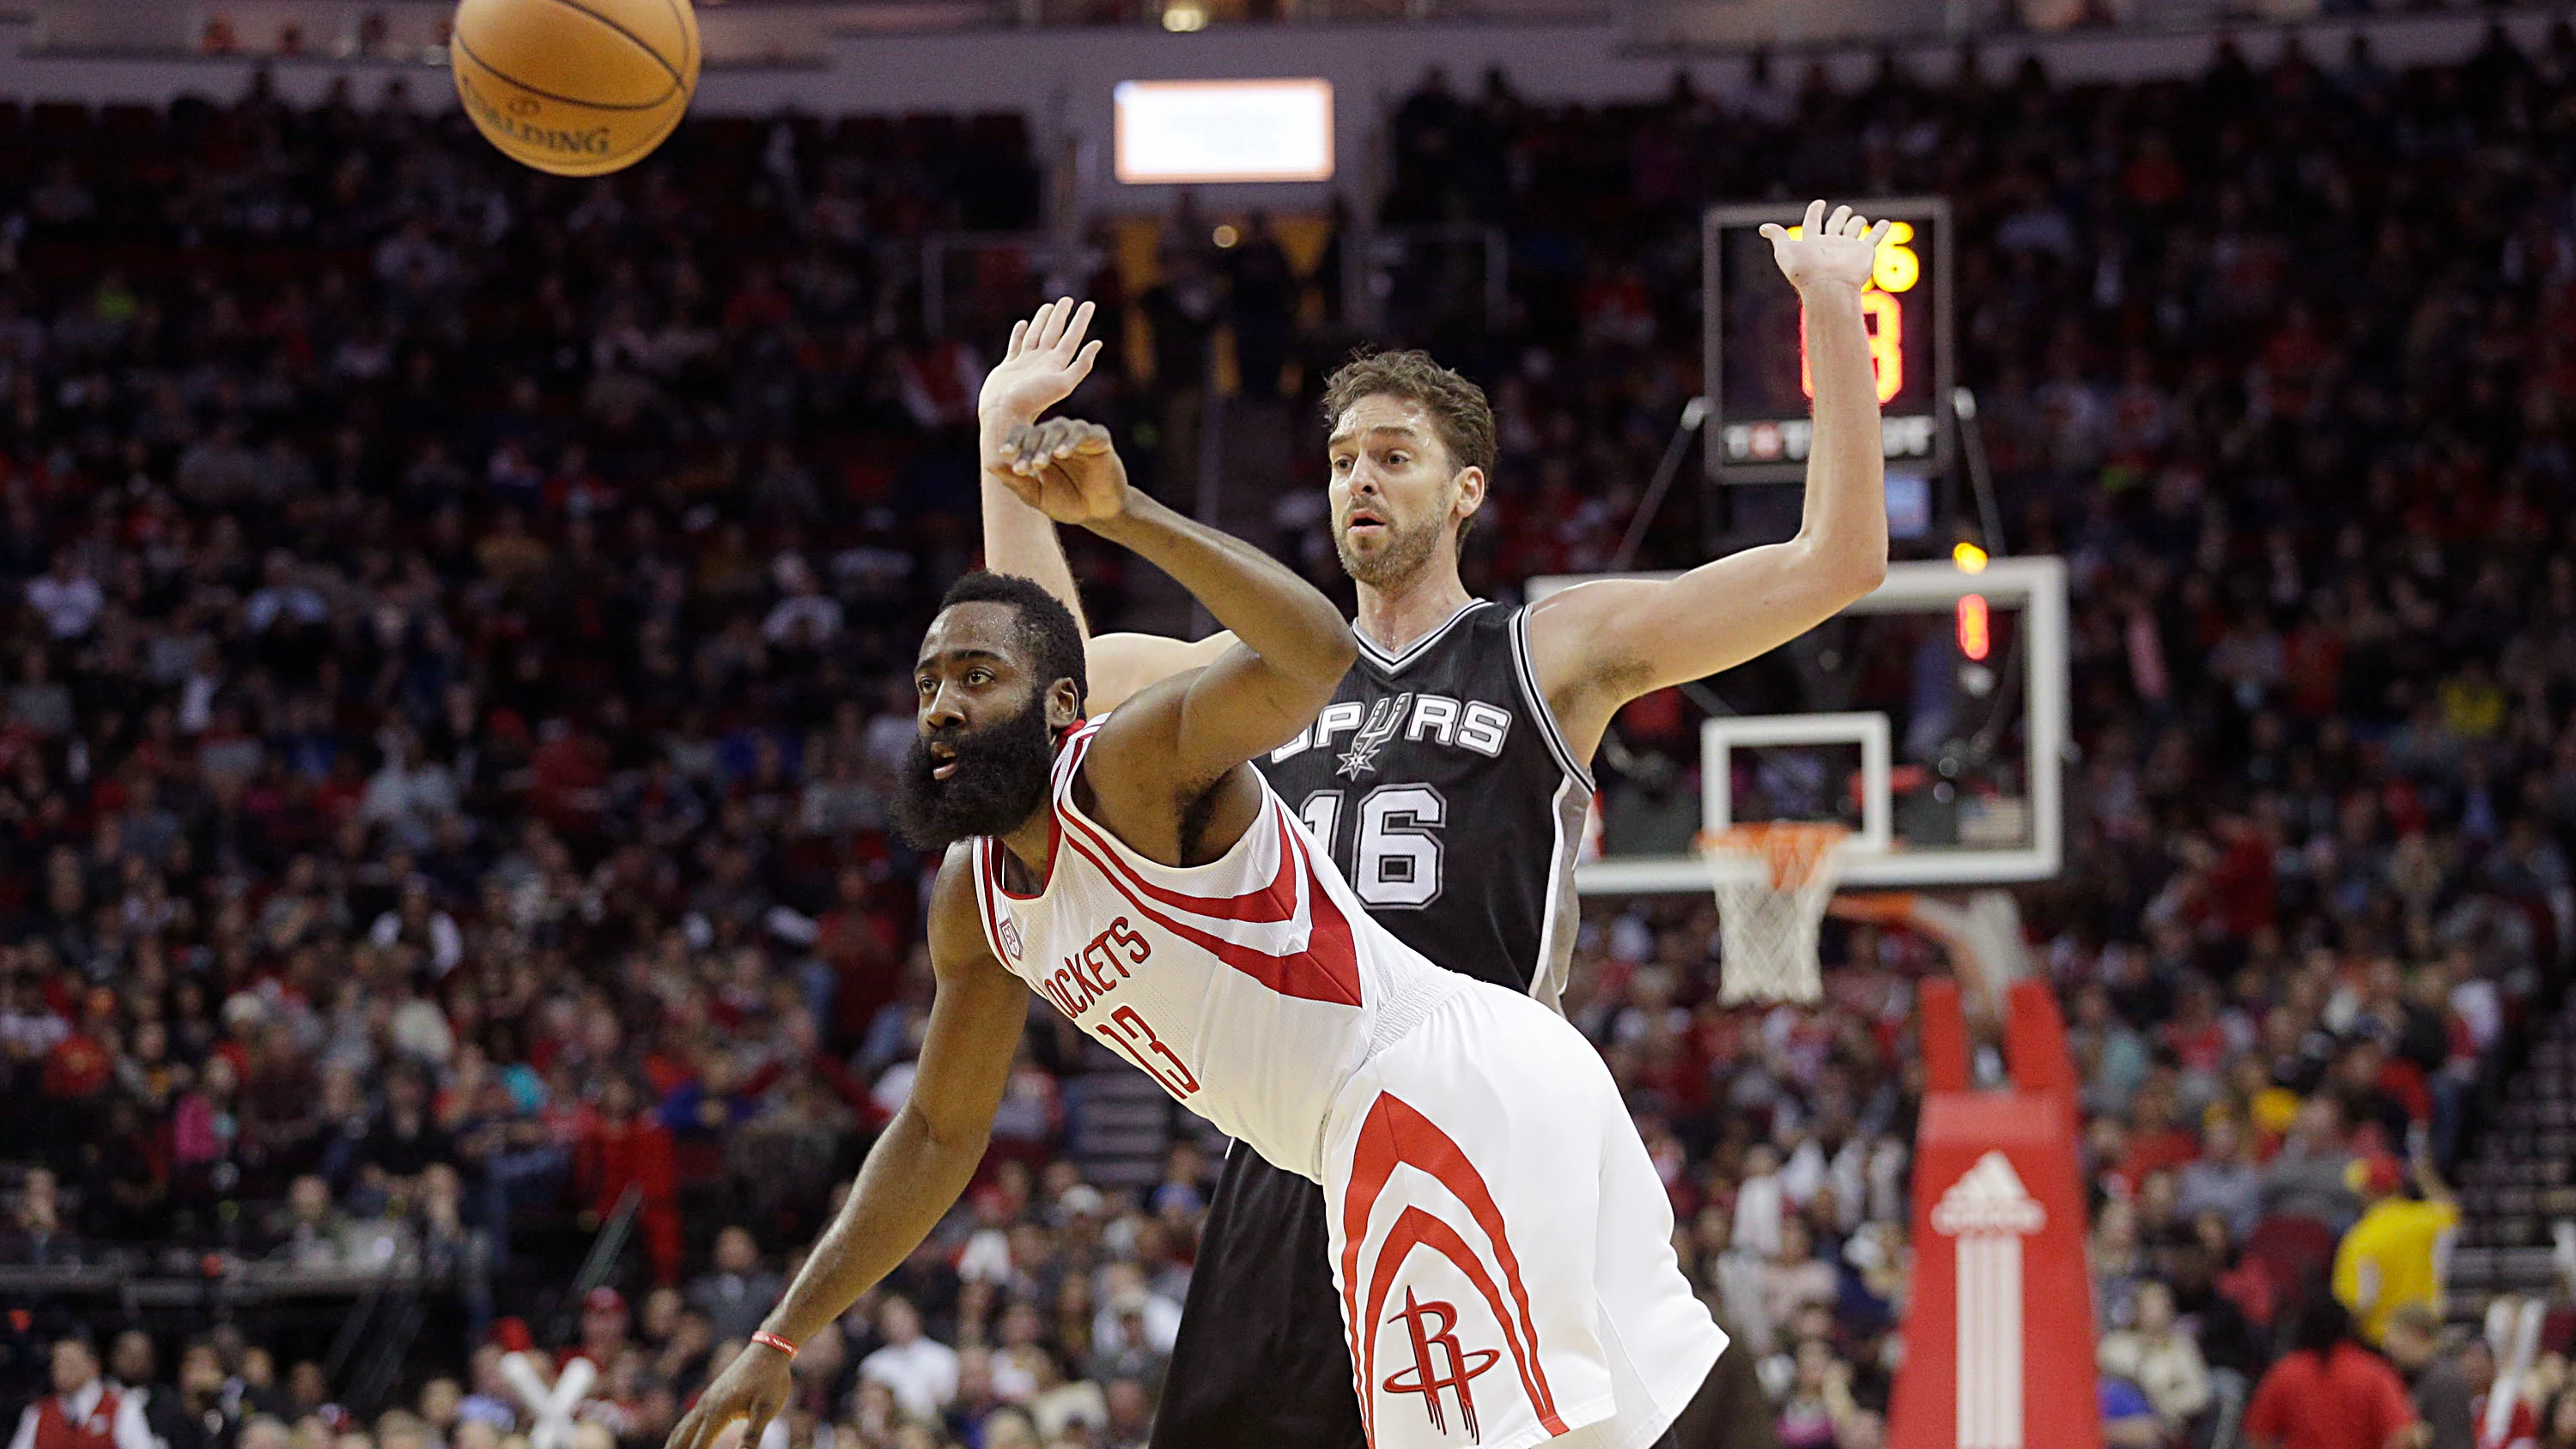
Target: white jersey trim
x: 1398, y: 663
x: 1526, y: 670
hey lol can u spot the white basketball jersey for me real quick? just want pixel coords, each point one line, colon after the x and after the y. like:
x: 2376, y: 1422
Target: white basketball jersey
x: 1250, y: 987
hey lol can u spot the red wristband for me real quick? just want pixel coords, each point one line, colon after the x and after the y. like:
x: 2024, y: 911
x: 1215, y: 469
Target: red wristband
x: 771, y: 1340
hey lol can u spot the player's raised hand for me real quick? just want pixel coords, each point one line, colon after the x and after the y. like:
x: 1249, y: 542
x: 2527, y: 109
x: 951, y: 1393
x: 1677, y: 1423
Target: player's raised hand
x: 1827, y: 251
x: 1045, y: 361
x: 1064, y: 468
x: 753, y: 1389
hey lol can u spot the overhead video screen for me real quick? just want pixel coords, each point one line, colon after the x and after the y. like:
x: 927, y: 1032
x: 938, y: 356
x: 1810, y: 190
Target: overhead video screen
x: 1211, y: 132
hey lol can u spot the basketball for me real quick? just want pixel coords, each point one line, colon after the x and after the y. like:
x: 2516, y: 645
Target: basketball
x: 575, y: 87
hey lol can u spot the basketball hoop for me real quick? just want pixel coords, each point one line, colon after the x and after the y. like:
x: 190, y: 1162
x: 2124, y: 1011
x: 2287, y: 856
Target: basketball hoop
x: 1773, y: 881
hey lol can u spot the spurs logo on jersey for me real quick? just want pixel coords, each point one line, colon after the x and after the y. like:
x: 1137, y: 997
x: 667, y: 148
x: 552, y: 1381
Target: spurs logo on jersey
x: 1432, y: 718
x: 1383, y: 717
x: 1437, y: 781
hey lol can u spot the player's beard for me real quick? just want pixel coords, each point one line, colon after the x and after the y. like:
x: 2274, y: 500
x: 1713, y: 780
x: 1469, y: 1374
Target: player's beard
x: 1405, y: 554
x: 1000, y: 781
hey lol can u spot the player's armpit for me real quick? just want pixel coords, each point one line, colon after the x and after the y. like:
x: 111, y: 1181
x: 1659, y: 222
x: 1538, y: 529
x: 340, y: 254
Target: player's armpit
x: 1166, y: 774
x: 1125, y: 665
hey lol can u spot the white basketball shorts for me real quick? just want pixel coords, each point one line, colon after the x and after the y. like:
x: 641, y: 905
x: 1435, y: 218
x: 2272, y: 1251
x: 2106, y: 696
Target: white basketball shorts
x: 1501, y: 1243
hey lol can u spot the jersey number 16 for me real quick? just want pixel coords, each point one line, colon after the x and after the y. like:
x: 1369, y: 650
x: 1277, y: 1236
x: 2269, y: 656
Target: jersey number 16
x: 1395, y: 861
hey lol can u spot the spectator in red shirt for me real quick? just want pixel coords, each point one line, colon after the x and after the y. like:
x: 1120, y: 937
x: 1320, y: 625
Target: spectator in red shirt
x: 2330, y: 1392
x: 621, y: 1145
x: 2156, y: 1143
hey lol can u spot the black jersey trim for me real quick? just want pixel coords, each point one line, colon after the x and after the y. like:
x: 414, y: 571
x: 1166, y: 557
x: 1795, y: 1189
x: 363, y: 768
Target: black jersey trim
x: 1398, y: 663
x: 1524, y: 670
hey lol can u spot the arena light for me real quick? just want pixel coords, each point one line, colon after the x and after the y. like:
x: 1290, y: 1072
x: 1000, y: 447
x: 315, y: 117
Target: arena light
x: 1975, y: 625
x: 1970, y: 558
x: 1211, y: 132
x: 1183, y: 17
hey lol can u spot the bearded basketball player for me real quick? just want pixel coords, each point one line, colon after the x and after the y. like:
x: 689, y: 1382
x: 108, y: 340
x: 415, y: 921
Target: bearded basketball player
x: 1500, y: 1244
x: 1448, y: 776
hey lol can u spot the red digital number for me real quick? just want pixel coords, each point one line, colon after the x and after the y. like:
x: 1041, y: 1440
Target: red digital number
x: 1884, y: 317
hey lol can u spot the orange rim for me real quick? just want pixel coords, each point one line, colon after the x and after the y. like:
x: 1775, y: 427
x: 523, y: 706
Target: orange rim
x: 1876, y: 908
x: 1791, y: 849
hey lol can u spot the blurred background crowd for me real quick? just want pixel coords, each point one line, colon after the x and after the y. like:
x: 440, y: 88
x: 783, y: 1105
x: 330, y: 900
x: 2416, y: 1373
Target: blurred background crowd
x: 453, y: 642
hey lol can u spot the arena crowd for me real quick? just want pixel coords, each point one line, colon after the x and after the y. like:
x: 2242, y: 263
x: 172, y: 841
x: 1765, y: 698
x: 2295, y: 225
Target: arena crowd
x: 456, y: 628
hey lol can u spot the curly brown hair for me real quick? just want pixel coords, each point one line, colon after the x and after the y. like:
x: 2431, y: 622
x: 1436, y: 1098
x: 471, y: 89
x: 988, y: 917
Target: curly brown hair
x: 1458, y: 409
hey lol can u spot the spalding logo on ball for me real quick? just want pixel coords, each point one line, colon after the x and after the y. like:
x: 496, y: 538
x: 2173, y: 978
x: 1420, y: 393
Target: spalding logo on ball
x: 575, y: 87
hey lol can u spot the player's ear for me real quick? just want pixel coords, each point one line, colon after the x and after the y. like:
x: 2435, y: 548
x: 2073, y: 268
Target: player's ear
x: 1063, y: 705
x: 1471, y: 493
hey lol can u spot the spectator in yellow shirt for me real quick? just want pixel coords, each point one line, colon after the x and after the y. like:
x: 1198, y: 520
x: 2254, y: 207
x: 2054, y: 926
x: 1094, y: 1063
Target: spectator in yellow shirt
x: 2399, y: 1251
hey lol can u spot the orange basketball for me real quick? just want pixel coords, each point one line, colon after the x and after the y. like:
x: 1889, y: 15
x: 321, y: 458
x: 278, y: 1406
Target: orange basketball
x: 575, y: 87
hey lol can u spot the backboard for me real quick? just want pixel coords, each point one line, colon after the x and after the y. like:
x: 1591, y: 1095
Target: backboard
x: 1930, y: 717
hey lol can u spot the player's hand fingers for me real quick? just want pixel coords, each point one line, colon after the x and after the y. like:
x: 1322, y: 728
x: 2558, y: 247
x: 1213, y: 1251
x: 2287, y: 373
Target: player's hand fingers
x: 1057, y: 315
x: 1033, y: 442
x: 1080, y: 367
x: 1066, y: 438
x: 1019, y: 330
x: 754, y: 1424
x: 1023, y: 483
x: 1816, y: 216
x: 692, y: 1429
x: 1036, y: 445
x: 1073, y: 330
x: 1037, y: 324
x: 1878, y: 234
x: 1774, y: 232
x: 1840, y: 225
x: 1090, y: 439
x: 1020, y: 447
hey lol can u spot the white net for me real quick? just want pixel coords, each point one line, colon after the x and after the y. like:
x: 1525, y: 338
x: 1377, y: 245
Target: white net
x: 1772, y: 882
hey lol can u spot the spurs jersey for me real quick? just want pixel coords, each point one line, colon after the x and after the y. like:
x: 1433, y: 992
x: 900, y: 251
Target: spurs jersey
x: 1251, y: 988
x: 1439, y: 782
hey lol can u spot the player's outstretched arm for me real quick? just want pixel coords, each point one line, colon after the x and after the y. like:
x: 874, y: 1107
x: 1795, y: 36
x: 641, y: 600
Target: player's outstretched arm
x: 1291, y: 646
x: 912, y: 1176
x: 1045, y: 360
x: 1601, y: 644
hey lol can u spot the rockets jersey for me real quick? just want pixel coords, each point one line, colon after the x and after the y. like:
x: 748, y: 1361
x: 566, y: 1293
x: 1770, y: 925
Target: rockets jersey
x: 1440, y: 784
x: 1250, y: 988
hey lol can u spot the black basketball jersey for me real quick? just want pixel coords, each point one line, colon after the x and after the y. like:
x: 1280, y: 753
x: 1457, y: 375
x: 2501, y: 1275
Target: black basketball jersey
x: 1441, y: 785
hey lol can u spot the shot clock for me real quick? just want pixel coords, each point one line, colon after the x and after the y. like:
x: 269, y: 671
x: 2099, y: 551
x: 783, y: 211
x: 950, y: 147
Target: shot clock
x: 1758, y: 383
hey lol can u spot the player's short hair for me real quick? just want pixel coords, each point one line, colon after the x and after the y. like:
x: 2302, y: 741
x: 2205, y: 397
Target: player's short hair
x: 1459, y: 411
x: 1047, y: 628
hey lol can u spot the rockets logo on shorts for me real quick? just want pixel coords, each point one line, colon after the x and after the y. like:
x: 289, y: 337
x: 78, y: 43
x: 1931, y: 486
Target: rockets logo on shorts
x: 1438, y: 1363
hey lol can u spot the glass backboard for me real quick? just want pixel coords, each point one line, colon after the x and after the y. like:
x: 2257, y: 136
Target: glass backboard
x: 1930, y: 717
